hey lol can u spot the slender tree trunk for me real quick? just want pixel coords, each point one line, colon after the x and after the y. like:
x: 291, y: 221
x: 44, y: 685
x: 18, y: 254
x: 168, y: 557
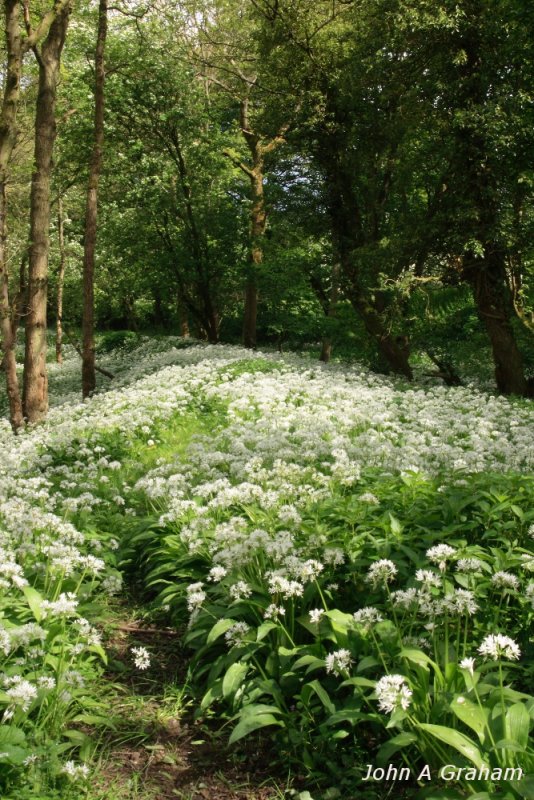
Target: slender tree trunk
x: 183, y: 320
x: 258, y: 224
x: 331, y: 312
x: 8, y: 338
x: 35, y: 385
x: 7, y: 139
x: 20, y: 300
x: 88, y: 317
x: 60, y: 282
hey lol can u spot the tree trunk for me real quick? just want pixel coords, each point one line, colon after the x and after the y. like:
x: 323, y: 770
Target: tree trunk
x: 35, y: 385
x: 8, y: 338
x: 7, y: 139
x: 331, y: 311
x: 88, y: 317
x: 476, y: 180
x: 345, y: 216
x: 258, y: 224
x: 183, y: 320
x: 487, y: 277
x: 20, y: 300
x: 60, y: 282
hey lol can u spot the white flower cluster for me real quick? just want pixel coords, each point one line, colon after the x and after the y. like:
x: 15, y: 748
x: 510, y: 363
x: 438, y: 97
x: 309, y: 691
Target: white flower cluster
x: 393, y: 693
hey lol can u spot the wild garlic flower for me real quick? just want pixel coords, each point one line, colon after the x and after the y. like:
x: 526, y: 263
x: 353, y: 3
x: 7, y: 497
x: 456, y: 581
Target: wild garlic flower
x: 75, y: 771
x: 428, y: 577
x: 217, y: 573
x: 310, y: 570
x: 367, y: 617
x: 141, y: 657
x: 315, y: 615
x: 20, y: 692
x: 440, y: 554
x: 393, y: 693
x: 64, y: 606
x: 497, y: 646
x: 46, y: 682
x: 338, y: 662
x: 240, y: 590
x: 460, y: 601
x: 235, y: 635
x: 405, y: 598
x: 370, y: 498
x: 195, y: 596
x: 527, y: 562
x: 273, y: 611
x: 469, y: 565
x: 529, y: 593
x: 468, y: 664
x: 111, y: 585
x: 505, y: 580
x: 280, y: 585
x: 333, y: 556
x: 381, y: 572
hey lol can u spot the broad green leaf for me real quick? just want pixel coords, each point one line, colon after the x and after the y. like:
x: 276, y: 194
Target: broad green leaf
x: 257, y: 708
x: 472, y: 715
x: 10, y: 734
x: 220, y: 627
x: 233, y: 678
x: 367, y: 663
x: 312, y: 662
x: 322, y: 694
x: 213, y: 693
x: 264, y: 629
x: 252, y: 723
x: 35, y: 601
x: 524, y: 787
x: 517, y: 724
x: 457, y: 740
x: 393, y: 745
x: 13, y: 754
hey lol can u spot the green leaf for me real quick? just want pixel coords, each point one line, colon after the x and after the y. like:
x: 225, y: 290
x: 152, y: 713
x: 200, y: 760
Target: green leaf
x: 249, y: 724
x: 322, y: 694
x: 312, y: 662
x: 220, y: 627
x: 457, y: 740
x: 524, y: 787
x: 517, y: 724
x: 393, y: 745
x: 264, y: 629
x: 472, y: 715
x: 14, y: 754
x: 233, y: 678
x: 10, y: 734
x: 35, y: 601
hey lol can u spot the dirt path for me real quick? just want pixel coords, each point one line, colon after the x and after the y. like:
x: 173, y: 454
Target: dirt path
x: 157, y: 751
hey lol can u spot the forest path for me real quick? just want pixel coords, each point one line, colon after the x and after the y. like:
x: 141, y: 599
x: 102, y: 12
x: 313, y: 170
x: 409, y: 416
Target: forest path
x: 156, y: 750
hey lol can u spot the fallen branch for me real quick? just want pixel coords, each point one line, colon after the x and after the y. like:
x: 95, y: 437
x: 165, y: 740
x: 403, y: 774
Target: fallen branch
x: 153, y: 631
x: 78, y: 349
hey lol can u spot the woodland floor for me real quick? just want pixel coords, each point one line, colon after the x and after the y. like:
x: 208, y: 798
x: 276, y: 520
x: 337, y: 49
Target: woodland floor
x: 157, y: 750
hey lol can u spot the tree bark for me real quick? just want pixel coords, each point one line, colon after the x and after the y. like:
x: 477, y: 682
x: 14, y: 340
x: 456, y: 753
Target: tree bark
x: 476, y: 179
x: 487, y: 277
x: 331, y: 311
x: 91, y: 211
x: 7, y: 140
x: 35, y: 384
x: 60, y: 282
x: 346, y: 227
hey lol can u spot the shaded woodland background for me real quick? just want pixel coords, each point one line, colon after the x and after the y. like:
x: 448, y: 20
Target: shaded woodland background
x: 352, y: 176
